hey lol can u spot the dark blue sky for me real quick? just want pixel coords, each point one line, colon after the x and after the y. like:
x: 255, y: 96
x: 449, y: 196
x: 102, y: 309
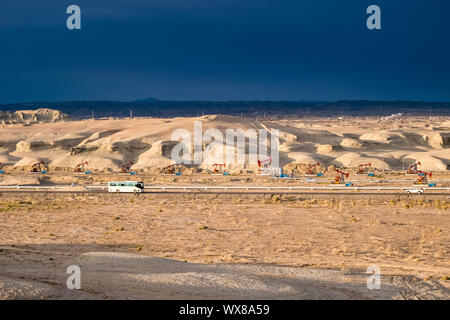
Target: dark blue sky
x: 224, y: 50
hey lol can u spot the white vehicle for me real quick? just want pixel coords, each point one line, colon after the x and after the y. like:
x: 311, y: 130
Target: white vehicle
x: 415, y: 190
x: 126, y: 186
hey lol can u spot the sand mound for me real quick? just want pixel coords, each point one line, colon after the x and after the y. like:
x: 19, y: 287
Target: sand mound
x: 301, y: 157
x: 289, y: 137
x: 6, y: 159
x: 353, y: 160
x: 68, y: 140
x: 327, y: 148
x: 159, y: 155
x: 97, y: 136
x: 27, y: 161
x: 352, y: 143
x: 94, y: 161
x: 440, y: 140
x: 301, y: 168
x: 429, y: 163
x: 163, y: 148
x: 28, y: 146
x: 286, y: 147
x: 381, y: 136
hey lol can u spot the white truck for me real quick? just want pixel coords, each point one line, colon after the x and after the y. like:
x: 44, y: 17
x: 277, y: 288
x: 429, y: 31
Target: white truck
x: 415, y: 191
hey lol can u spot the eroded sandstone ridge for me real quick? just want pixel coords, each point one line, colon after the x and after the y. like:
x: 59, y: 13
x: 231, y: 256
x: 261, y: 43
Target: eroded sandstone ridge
x: 107, y: 144
x: 42, y: 115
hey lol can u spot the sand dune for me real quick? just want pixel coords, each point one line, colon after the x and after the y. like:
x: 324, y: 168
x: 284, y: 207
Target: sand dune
x: 107, y: 144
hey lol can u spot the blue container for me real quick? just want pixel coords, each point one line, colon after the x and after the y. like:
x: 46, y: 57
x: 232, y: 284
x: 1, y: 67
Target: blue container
x: 44, y: 171
x: 432, y: 185
x: 349, y: 184
x: 178, y: 174
x: 421, y: 174
x: 133, y: 173
x: 225, y: 173
x: 371, y: 174
x: 1, y: 171
x: 320, y: 174
x: 88, y: 172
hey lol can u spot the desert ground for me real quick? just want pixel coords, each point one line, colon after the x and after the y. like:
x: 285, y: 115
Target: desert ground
x: 222, y: 246
x: 228, y: 246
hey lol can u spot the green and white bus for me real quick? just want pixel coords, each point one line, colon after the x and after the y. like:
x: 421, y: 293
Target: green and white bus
x: 126, y: 186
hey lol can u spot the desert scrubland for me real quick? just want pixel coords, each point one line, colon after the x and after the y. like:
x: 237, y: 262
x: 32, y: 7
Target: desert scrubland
x: 229, y: 246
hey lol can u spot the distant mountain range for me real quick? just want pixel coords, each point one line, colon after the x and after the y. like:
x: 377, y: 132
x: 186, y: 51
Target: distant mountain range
x: 152, y: 107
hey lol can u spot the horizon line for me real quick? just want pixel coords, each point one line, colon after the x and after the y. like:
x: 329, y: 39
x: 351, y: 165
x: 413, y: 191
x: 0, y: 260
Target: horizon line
x: 150, y: 100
